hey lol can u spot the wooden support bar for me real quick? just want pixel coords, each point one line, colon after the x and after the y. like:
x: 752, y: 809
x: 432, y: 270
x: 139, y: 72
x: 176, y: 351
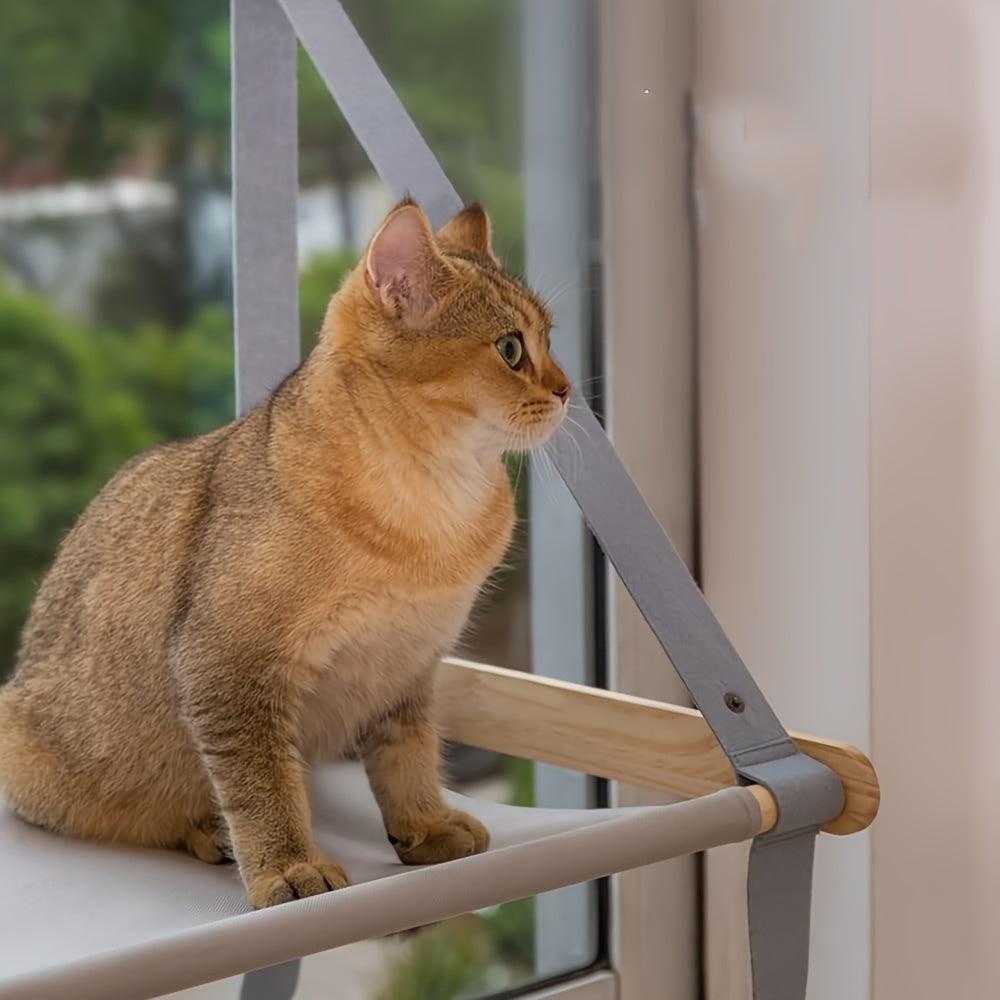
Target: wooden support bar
x: 618, y: 736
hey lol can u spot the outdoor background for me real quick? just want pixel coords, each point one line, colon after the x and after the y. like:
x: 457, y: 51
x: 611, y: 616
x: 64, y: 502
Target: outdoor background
x: 115, y: 326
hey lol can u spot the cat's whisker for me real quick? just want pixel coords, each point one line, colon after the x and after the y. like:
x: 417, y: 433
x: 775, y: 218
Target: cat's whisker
x: 577, y: 424
x: 574, y: 456
x: 549, y: 286
x: 589, y: 403
x: 520, y: 460
x: 552, y: 298
x: 540, y: 479
x: 579, y: 408
x: 569, y: 434
x: 516, y: 485
x: 547, y: 467
x: 542, y: 284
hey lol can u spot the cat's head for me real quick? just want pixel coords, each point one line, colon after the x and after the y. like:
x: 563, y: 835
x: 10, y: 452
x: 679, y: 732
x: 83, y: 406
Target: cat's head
x: 442, y: 320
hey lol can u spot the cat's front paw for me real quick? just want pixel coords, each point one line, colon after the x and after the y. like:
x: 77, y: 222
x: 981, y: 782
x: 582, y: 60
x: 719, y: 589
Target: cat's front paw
x: 295, y: 881
x: 443, y: 838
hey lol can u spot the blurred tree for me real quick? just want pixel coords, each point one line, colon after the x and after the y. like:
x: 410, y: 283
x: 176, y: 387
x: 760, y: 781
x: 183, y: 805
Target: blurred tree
x: 95, y: 89
x: 74, y: 405
x: 472, y: 955
x: 87, y: 86
x: 111, y: 87
x: 318, y: 280
x: 455, y: 66
x: 115, y: 87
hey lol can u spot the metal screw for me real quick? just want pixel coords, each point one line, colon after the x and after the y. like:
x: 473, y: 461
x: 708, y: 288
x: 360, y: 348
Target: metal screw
x: 734, y: 702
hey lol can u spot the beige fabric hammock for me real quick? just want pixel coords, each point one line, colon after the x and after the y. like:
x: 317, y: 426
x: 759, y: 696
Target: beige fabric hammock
x: 100, y: 922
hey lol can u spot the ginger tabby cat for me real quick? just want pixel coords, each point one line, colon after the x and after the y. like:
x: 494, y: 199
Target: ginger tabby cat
x: 233, y: 608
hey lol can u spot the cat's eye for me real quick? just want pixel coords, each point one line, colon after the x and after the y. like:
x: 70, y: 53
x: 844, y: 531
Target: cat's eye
x: 511, y: 349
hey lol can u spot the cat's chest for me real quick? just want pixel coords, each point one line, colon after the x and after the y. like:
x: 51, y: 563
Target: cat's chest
x: 368, y: 655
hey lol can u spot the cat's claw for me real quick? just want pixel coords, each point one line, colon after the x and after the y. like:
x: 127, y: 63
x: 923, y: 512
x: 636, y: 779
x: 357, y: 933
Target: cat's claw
x: 303, y: 878
x: 455, y: 835
x: 208, y: 841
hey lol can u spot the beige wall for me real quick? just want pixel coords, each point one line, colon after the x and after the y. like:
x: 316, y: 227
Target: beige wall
x: 936, y: 498
x: 646, y: 57
x: 849, y: 172
x: 782, y: 175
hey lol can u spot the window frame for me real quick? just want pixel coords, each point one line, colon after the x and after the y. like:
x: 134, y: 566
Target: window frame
x: 646, y: 73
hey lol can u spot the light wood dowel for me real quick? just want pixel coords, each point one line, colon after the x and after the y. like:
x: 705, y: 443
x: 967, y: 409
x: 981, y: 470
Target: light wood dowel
x: 768, y: 807
x: 618, y: 736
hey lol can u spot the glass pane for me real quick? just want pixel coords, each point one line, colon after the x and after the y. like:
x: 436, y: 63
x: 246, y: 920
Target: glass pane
x: 115, y: 335
x: 493, y: 119
x: 114, y: 256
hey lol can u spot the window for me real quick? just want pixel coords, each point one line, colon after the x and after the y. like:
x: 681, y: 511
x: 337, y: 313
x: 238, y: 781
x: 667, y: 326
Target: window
x: 115, y: 333
x: 503, y: 92
x: 114, y: 257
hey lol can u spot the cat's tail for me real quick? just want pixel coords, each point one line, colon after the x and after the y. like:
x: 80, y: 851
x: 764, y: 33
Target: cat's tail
x: 41, y: 786
x: 23, y: 767
x: 8, y: 730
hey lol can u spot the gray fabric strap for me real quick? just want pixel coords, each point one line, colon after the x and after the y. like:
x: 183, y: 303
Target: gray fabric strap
x: 779, y: 875
x: 654, y: 574
x: 275, y: 982
x: 265, y: 190
x: 779, y: 896
x: 395, y: 147
x: 808, y: 793
x: 265, y: 250
x: 663, y: 589
x: 760, y: 749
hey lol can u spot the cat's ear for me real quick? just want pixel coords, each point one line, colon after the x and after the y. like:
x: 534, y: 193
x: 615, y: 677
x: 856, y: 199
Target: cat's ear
x: 404, y: 270
x: 469, y: 232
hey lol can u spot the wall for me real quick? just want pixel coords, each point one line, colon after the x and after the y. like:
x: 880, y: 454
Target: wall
x: 849, y: 176
x: 936, y: 498
x: 646, y: 64
x: 782, y: 96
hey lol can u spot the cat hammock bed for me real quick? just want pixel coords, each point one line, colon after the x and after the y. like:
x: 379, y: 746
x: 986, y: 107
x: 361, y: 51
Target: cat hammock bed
x: 95, y: 921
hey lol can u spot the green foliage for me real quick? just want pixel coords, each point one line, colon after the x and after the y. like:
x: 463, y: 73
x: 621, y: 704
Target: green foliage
x: 318, y: 280
x: 110, y: 87
x: 75, y: 403
x: 512, y: 930
x: 521, y: 775
x: 455, y: 66
x: 142, y: 87
x: 475, y: 953
x: 440, y: 962
x: 102, y: 87
x: 466, y: 956
x: 81, y: 81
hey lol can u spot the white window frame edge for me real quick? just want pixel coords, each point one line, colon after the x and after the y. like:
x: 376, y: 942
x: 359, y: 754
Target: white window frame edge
x: 646, y: 72
x: 766, y: 568
x: 601, y: 985
x: 558, y: 62
x: 644, y: 152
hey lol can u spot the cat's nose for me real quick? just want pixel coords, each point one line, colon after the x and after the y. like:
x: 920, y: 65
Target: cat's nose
x: 562, y: 391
